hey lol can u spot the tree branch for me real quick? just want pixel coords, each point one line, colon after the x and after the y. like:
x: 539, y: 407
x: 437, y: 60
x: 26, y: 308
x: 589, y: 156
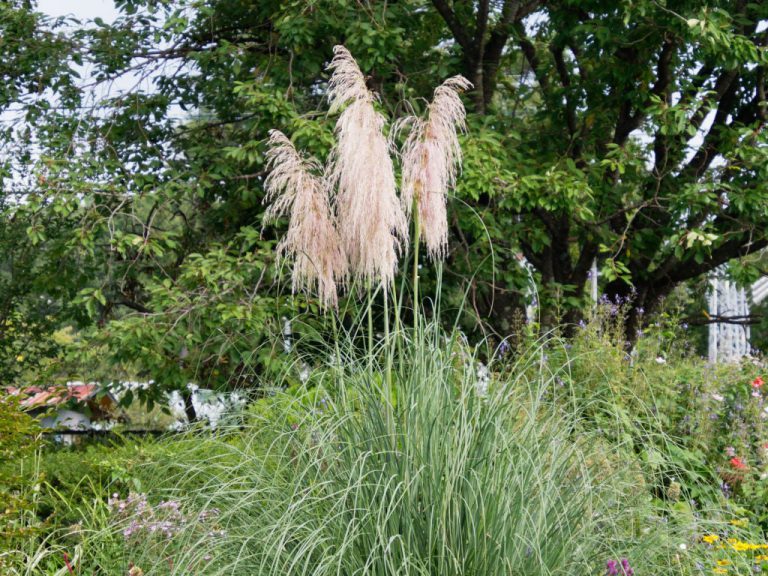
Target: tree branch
x: 459, y: 32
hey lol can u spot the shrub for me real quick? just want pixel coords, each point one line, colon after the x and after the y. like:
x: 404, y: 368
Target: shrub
x: 19, y: 479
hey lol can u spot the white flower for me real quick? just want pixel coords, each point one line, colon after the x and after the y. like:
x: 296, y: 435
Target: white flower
x: 660, y: 360
x: 717, y: 397
x: 683, y: 547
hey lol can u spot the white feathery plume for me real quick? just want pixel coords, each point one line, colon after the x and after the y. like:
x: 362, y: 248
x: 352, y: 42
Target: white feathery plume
x: 431, y: 155
x: 312, y: 241
x: 372, y: 224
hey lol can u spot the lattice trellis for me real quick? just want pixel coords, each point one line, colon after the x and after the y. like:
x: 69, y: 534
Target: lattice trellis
x: 728, y: 342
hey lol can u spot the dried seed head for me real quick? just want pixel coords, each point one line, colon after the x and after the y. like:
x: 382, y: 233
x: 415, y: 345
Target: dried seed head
x: 312, y: 241
x: 372, y: 224
x: 431, y: 155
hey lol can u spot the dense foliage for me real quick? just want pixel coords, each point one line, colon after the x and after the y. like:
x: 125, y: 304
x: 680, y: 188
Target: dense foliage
x: 674, y: 466
x: 439, y: 433
x: 133, y: 163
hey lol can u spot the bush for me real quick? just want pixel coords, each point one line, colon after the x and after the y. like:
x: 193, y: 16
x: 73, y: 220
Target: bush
x: 19, y: 478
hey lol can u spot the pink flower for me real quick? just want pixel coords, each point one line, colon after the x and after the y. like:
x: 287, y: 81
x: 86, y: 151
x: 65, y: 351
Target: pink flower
x: 757, y: 382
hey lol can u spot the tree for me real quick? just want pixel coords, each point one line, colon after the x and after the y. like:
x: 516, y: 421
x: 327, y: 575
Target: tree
x: 643, y: 146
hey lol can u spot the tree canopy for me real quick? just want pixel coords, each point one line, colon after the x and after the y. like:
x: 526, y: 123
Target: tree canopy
x: 132, y: 160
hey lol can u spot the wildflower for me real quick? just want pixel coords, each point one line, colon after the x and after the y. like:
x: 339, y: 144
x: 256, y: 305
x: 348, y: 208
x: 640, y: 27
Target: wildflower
x: 612, y: 568
x: 730, y: 451
x: 738, y: 463
x: 312, y: 240
x: 20, y: 358
x: 660, y: 360
x: 740, y: 522
x: 723, y: 562
x: 720, y: 571
x: 372, y: 224
x: 717, y: 397
x: 430, y: 156
x: 757, y: 382
x: 711, y: 538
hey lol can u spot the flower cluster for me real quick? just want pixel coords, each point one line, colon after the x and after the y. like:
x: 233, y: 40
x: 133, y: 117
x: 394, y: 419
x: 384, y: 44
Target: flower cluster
x: 165, y: 519
x: 622, y: 568
x: 724, y: 565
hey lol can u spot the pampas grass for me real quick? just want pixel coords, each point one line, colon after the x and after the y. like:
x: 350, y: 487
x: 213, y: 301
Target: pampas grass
x: 431, y: 155
x: 312, y: 241
x: 372, y: 224
x: 365, y: 233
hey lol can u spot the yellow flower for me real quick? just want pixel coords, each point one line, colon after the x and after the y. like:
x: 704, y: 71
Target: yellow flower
x: 723, y: 562
x: 20, y: 358
x: 711, y: 538
x: 720, y: 571
x: 761, y: 558
x: 744, y: 546
x: 740, y: 522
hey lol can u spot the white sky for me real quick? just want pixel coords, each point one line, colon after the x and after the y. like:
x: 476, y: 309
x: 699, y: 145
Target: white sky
x: 104, y: 9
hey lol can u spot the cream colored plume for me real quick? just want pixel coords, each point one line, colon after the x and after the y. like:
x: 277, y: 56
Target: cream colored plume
x: 431, y: 155
x: 312, y: 242
x: 371, y: 222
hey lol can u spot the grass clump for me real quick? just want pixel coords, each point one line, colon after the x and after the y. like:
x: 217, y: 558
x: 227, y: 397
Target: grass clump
x: 448, y: 477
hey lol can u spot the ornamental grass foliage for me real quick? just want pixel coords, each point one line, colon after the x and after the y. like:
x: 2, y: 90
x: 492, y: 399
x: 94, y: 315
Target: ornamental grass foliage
x: 452, y: 479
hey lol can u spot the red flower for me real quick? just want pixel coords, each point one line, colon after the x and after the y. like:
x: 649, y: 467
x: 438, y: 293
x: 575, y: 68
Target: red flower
x: 738, y: 463
x: 757, y: 382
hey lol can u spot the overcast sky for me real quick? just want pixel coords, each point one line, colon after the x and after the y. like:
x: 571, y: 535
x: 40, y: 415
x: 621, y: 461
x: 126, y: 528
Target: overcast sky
x: 104, y: 9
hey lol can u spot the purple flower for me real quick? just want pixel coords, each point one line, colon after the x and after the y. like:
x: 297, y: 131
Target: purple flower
x: 612, y: 568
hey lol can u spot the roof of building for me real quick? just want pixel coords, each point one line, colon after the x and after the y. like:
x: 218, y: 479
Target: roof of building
x: 49, y: 396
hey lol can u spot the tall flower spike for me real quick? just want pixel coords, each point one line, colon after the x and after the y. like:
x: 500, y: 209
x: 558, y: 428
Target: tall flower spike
x: 312, y: 241
x: 431, y: 155
x: 372, y: 224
